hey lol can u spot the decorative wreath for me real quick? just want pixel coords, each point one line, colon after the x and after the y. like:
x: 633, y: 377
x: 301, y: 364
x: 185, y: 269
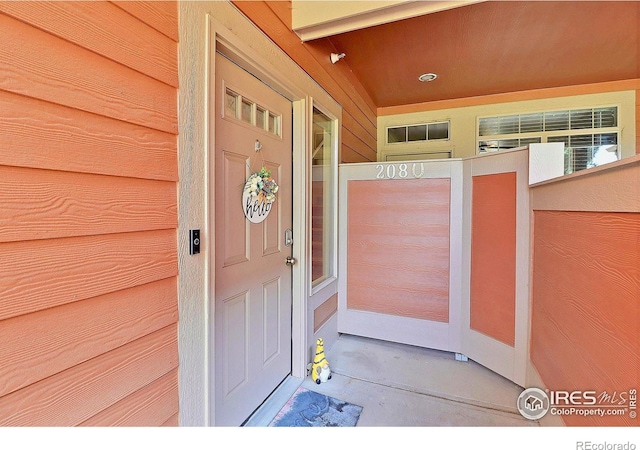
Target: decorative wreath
x: 262, y: 186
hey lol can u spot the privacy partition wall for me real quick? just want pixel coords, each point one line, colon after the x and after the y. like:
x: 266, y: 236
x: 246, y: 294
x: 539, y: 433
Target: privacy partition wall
x: 436, y: 254
x: 536, y: 277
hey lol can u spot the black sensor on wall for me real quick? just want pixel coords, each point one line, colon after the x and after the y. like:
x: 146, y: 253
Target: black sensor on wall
x: 194, y: 242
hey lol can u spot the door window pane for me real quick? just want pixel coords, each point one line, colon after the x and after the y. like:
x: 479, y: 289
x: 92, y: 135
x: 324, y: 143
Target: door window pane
x: 260, y: 117
x: 247, y: 111
x: 231, y: 104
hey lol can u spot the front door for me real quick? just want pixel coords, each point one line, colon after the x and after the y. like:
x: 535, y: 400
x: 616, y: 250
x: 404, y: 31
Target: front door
x: 252, y: 280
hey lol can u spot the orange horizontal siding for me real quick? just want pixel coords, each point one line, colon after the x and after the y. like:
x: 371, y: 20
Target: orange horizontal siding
x: 366, y: 135
x: 354, y: 143
x: 39, y: 134
x: 348, y: 155
x: 586, y: 305
x: 80, y: 392
x: 88, y: 248
x: 47, y: 273
x: 152, y: 405
x: 53, y: 204
x: 398, y: 247
x: 105, y: 29
x: 72, y: 76
x: 173, y: 421
x: 68, y: 335
x: 161, y: 15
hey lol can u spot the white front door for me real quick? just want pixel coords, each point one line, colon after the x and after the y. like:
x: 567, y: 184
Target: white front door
x: 252, y: 281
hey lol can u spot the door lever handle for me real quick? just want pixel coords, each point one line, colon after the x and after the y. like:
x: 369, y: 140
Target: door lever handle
x: 290, y: 261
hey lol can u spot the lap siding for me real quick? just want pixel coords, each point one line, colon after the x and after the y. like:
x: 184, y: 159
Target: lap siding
x: 88, y: 184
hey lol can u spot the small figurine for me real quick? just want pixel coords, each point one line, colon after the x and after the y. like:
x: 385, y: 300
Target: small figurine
x: 320, y: 371
x: 325, y: 374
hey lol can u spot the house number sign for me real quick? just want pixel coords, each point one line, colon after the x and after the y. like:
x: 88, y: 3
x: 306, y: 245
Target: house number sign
x: 402, y: 170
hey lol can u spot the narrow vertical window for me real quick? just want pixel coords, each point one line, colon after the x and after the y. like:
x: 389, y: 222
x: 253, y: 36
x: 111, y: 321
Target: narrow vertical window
x: 322, y: 195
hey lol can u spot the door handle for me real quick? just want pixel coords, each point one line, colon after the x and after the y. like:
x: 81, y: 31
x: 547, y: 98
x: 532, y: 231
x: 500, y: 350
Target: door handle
x: 290, y: 261
x: 288, y: 237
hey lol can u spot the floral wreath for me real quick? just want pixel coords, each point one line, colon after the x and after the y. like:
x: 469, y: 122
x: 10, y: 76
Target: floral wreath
x: 260, y: 185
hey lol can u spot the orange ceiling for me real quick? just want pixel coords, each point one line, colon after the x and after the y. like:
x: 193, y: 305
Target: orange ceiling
x: 494, y: 47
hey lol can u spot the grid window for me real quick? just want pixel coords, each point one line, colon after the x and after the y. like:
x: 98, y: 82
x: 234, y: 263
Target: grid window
x: 585, y: 132
x: 241, y: 108
x: 418, y: 133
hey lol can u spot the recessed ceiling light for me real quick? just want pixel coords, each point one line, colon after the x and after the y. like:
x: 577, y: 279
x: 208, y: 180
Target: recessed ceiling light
x: 427, y: 77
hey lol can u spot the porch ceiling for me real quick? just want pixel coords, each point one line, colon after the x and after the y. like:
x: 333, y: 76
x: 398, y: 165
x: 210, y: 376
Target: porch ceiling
x: 488, y: 47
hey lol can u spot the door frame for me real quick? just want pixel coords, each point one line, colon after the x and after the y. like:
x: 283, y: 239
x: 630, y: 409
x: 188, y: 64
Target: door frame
x: 255, y: 52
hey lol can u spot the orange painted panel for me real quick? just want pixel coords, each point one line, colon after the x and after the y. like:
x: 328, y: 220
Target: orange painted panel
x: 493, y: 256
x: 585, y: 326
x: 398, y: 247
x: 38, y: 134
x: 72, y: 76
x: 68, y: 335
x: 104, y: 28
x: 53, y: 204
x: 324, y: 312
x: 151, y: 406
x: 46, y: 273
x: 161, y: 15
x: 77, y: 394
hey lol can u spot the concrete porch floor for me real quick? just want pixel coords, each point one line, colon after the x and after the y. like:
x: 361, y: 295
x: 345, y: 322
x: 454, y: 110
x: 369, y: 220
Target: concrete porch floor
x: 405, y: 386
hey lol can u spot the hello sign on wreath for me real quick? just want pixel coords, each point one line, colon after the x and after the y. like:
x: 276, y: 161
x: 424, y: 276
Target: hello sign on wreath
x: 258, y: 195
